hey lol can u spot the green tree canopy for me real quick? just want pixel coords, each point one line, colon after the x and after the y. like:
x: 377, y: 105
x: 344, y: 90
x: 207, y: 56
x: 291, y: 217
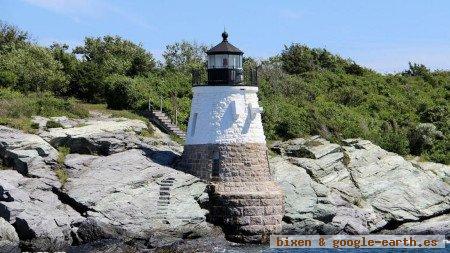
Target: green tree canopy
x: 11, y: 36
x: 32, y: 68
x: 115, y: 55
x: 185, y: 55
x: 298, y: 59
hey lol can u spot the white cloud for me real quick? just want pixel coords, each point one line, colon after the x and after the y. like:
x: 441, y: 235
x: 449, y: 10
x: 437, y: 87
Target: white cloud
x: 67, y: 7
x: 79, y: 10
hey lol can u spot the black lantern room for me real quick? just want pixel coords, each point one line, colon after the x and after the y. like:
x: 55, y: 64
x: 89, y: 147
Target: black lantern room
x: 225, y: 64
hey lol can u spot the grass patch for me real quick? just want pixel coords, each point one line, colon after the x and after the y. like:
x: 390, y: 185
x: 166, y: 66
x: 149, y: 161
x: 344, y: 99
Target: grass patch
x: 53, y: 124
x: 176, y: 138
x: 16, y: 109
x: 60, y: 172
x: 21, y: 123
x: 313, y: 143
x: 63, y: 152
x: 62, y: 175
x: 346, y: 159
x: 102, y: 108
x: 149, y: 132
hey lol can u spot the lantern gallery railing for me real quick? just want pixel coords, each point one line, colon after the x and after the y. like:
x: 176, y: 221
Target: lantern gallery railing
x: 226, y: 77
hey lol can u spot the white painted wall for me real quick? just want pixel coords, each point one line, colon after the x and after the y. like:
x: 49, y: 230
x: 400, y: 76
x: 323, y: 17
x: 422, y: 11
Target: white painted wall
x: 225, y: 114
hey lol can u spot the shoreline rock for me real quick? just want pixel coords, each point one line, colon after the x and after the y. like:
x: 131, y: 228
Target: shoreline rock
x: 124, y: 192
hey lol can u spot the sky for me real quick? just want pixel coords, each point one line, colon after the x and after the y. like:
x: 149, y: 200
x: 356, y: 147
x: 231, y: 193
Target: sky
x: 381, y: 34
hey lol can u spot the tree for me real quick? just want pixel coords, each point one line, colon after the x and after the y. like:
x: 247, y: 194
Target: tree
x: 121, y: 93
x: 68, y: 60
x: 298, y: 59
x: 185, y: 56
x: 417, y: 70
x: 114, y: 55
x: 12, y: 36
x: 32, y: 68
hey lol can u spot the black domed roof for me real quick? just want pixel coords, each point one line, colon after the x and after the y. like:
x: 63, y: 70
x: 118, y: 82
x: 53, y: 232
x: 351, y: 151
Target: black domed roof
x: 224, y: 47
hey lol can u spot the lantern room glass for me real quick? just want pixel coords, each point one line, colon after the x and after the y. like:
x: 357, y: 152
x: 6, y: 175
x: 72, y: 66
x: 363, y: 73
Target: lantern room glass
x: 230, y: 61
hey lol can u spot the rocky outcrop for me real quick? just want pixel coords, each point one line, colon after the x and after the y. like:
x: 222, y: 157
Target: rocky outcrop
x: 9, y: 240
x: 41, y: 220
x: 143, y: 198
x: 131, y: 198
x: 357, y: 188
x: 103, y: 137
x: 131, y: 195
x: 29, y: 154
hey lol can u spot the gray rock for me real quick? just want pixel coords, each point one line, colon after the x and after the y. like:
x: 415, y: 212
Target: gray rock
x: 301, y: 200
x: 41, y: 220
x: 442, y: 171
x: 104, y: 137
x: 9, y: 240
x: 40, y: 121
x: 29, y: 154
x: 364, y: 188
x: 397, y: 188
x: 439, y: 225
x: 313, y: 147
x: 66, y: 122
x: 130, y: 191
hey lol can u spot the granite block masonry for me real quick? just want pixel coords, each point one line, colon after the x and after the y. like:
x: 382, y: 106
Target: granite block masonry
x: 226, y: 146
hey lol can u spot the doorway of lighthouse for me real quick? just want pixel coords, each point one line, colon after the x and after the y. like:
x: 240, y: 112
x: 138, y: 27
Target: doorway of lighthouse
x: 215, y: 164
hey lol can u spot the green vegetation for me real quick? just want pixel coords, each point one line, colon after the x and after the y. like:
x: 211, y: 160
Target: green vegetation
x: 303, y: 91
x: 150, y: 132
x: 62, y: 153
x: 60, y: 171
x: 62, y: 175
x: 17, y: 108
x: 52, y: 124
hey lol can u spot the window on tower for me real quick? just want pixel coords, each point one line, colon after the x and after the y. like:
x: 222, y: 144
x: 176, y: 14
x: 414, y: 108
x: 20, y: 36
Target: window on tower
x: 194, y: 124
x: 215, y: 164
x: 225, y: 62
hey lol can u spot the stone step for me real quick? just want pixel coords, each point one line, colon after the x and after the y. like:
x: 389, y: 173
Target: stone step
x: 168, y: 124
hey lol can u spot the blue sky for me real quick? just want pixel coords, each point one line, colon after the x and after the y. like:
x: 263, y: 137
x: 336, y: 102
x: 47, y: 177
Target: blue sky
x: 380, y: 34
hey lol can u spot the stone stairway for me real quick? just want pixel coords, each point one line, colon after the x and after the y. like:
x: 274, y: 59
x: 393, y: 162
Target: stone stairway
x: 164, y: 197
x: 164, y: 122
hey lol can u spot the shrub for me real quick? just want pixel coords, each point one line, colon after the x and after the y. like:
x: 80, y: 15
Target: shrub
x: 298, y: 59
x: 62, y: 153
x: 53, y: 124
x: 62, y: 175
x: 394, y: 141
x: 32, y: 68
x: 115, y: 55
x: 121, y: 93
x: 422, y: 137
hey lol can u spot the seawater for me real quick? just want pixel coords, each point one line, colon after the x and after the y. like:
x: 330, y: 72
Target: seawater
x: 374, y: 250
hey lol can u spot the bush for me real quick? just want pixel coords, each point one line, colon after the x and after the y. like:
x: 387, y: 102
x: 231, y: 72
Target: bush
x: 422, y: 137
x: 88, y: 83
x: 394, y: 141
x: 115, y: 55
x: 121, y: 93
x: 298, y: 59
x: 53, y: 124
x: 31, y: 69
x: 16, y: 109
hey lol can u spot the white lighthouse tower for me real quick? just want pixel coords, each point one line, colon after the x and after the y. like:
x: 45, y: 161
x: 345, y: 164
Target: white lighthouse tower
x: 226, y: 146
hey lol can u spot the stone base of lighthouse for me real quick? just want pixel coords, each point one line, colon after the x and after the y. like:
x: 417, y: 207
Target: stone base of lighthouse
x: 243, y: 198
x: 247, y: 211
x: 227, y: 162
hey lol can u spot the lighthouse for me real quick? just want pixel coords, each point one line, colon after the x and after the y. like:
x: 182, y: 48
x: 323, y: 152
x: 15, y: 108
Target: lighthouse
x: 226, y: 147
